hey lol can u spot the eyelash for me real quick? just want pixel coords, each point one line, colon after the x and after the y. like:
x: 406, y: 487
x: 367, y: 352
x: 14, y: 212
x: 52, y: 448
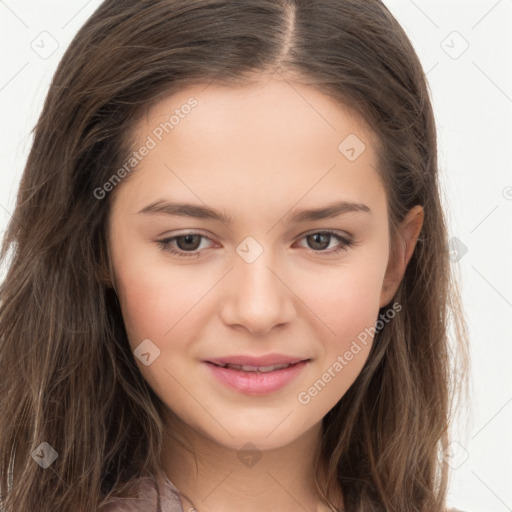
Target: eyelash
x: 346, y: 243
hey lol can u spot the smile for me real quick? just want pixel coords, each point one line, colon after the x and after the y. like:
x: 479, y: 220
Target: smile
x: 256, y: 380
x: 247, y: 368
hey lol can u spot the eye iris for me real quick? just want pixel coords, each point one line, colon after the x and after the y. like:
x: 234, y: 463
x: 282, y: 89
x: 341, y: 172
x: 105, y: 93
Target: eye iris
x: 189, y: 239
x: 315, y: 240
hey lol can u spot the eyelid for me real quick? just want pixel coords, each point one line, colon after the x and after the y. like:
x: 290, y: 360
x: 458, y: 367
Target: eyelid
x: 343, y: 234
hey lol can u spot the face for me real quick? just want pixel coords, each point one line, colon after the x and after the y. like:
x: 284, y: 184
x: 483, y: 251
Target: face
x: 248, y: 270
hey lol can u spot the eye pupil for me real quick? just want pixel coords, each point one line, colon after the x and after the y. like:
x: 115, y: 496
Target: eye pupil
x: 315, y: 240
x: 189, y: 239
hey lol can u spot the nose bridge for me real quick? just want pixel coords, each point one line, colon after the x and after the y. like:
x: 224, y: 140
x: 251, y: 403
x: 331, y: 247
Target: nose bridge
x: 258, y: 299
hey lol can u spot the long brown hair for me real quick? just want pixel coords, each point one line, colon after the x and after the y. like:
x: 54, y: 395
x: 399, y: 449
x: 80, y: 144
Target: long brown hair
x: 68, y: 377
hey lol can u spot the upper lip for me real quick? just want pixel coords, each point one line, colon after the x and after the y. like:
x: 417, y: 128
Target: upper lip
x: 265, y: 360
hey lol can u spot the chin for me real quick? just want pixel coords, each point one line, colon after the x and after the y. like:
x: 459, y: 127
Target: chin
x: 261, y: 435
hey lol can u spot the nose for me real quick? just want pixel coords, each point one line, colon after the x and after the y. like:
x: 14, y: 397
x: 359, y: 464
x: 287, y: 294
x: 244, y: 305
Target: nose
x: 258, y: 296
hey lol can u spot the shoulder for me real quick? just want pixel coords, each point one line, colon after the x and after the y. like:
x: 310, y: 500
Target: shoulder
x: 143, y: 495
x: 140, y: 495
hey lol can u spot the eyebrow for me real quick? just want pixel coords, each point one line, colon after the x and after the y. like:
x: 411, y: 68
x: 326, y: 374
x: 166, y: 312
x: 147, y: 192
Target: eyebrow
x: 204, y: 212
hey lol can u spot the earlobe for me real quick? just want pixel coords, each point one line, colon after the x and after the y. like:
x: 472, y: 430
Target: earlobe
x: 407, y: 237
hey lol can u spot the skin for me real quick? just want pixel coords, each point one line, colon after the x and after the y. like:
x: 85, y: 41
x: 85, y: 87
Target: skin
x: 257, y: 153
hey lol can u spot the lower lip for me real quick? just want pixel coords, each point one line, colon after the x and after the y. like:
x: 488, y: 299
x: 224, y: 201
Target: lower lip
x: 256, y: 383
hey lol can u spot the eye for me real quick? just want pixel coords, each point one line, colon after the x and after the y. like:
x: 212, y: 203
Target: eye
x: 319, y: 241
x: 187, y: 244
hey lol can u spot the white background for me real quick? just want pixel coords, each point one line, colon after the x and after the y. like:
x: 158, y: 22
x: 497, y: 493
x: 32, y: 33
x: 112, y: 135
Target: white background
x: 472, y: 96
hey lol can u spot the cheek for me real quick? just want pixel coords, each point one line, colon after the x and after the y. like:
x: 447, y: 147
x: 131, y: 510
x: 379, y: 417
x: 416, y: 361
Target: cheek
x: 158, y: 305
x: 156, y: 300
x: 345, y: 299
x: 349, y: 306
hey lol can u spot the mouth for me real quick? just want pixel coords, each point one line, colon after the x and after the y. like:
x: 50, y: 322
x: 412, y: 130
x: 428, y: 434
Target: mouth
x: 259, y: 369
x: 256, y: 379
x: 264, y: 361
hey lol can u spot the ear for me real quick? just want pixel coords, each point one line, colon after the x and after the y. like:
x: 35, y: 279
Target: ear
x: 401, y: 253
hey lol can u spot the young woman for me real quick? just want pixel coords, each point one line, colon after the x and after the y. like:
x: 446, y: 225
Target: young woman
x: 229, y: 286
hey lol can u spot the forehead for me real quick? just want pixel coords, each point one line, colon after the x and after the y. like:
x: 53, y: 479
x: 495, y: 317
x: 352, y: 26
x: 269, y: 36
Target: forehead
x: 270, y: 141
x: 300, y: 113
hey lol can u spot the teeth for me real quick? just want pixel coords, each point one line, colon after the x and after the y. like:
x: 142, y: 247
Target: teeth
x: 262, y: 369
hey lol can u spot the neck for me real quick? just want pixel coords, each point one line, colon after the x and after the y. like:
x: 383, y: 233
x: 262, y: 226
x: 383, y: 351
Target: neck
x: 217, y: 478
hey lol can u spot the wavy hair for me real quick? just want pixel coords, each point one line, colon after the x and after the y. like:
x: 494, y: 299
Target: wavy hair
x: 69, y: 378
